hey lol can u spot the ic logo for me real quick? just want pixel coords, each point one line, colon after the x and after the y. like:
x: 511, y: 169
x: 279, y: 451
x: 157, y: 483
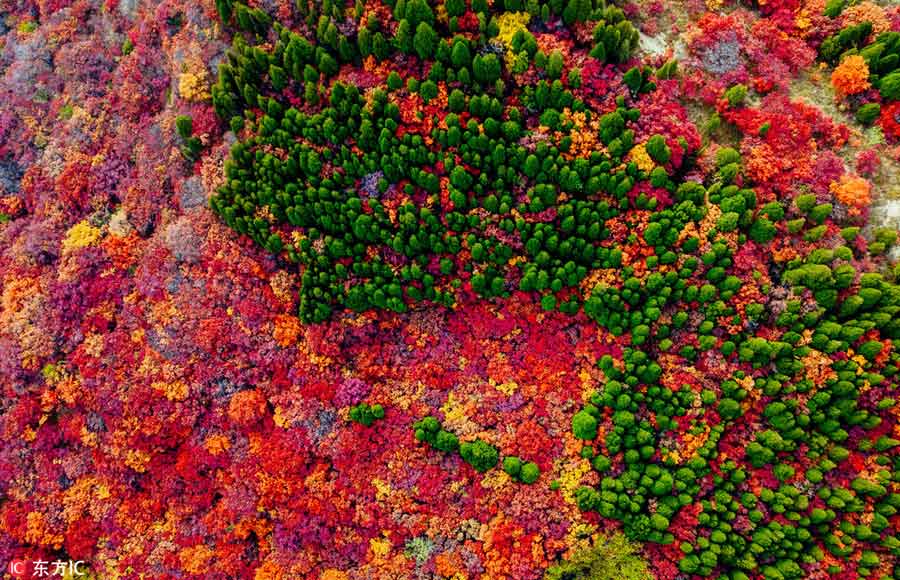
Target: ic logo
x: 18, y: 568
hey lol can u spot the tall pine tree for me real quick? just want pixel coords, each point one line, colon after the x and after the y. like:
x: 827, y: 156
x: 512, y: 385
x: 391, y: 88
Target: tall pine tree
x: 577, y: 11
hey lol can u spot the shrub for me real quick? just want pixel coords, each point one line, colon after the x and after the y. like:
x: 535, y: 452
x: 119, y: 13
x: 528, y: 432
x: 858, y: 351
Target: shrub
x: 835, y: 45
x: 871, y: 349
x: 851, y: 77
x: 455, y: 7
x: 889, y: 87
x: 886, y: 236
x: 428, y: 90
x: 885, y: 443
x: 457, y: 101
x: 729, y: 409
x: 601, y: 463
x: 728, y: 222
x: 446, y: 441
x: 460, y: 56
x: 185, y: 126
x: 577, y: 11
x: 667, y: 71
x: 728, y: 155
x: 555, y: 65
x: 834, y: 8
x: 637, y: 79
x: 762, y: 231
x: 480, y: 455
x: 805, y: 202
x: 512, y: 466
x: 607, y: 558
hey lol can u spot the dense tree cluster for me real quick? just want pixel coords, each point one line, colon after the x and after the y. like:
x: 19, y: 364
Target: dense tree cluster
x: 839, y: 310
x: 495, y: 196
x: 495, y: 183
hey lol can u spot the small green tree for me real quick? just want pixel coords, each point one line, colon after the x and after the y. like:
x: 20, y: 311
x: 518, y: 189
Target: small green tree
x: 555, y: 65
x: 577, y: 11
x: 486, y: 68
x: 455, y: 7
x: 614, y: 37
x: 424, y: 40
x: 418, y: 11
x: 185, y: 126
x: 460, y: 56
x: 365, y: 414
x: 658, y: 150
x: 394, y: 82
x: 403, y: 37
x: 584, y: 425
x: 457, y: 101
x: 529, y: 473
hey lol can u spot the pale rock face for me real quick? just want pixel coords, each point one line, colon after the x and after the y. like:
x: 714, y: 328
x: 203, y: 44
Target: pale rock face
x: 660, y: 44
x: 128, y: 8
x: 885, y: 213
x: 119, y: 225
x: 182, y: 241
x: 192, y: 193
x: 10, y: 177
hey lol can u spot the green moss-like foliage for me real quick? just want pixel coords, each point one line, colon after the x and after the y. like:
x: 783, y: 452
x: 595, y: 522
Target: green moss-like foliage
x: 526, y: 473
x: 480, y: 455
x: 530, y: 473
x: 365, y: 414
x: 834, y: 8
x: 512, y: 466
x: 577, y: 11
x: 667, y: 71
x: 638, y: 80
x: 429, y: 430
x: 608, y: 558
x: 191, y: 147
x: 883, y: 58
x: 736, y: 95
x: 185, y: 126
x: 455, y: 7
